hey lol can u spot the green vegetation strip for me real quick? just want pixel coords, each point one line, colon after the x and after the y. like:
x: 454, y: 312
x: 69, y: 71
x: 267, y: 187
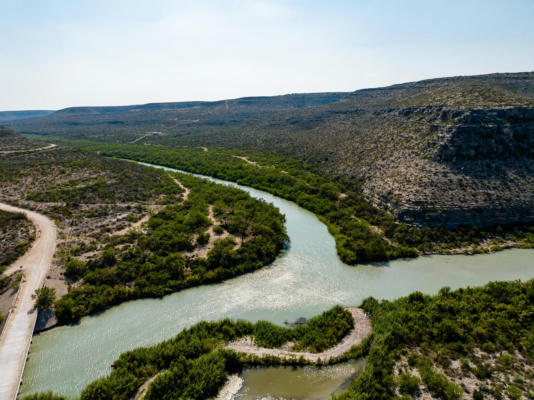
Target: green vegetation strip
x: 363, y: 233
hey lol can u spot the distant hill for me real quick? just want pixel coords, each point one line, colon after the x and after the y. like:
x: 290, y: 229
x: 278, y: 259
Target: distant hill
x: 128, y: 123
x: 446, y: 151
x: 6, y: 116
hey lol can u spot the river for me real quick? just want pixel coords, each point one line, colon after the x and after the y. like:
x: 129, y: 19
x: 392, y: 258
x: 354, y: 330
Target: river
x: 306, y: 279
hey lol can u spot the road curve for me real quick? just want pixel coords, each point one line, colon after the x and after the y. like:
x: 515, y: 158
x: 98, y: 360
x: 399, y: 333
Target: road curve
x: 48, y: 147
x: 16, y: 336
x: 362, y: 328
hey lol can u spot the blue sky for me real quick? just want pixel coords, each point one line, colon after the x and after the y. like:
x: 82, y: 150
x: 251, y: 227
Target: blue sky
x: 55, y: 54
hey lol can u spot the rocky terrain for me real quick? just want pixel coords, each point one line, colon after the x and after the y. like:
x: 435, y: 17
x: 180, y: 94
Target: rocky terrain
x: 11, y: 142
x: 16, y: 235
x: 467, y: 167
x: 479, y: 375
x: 446, y: 151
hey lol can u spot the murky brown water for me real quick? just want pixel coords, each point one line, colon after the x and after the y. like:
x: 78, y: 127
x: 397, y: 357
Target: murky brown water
x: 300, y: 383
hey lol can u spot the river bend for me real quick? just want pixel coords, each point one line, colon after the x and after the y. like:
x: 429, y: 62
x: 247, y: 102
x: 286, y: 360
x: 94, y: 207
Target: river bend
x: 304, y: 280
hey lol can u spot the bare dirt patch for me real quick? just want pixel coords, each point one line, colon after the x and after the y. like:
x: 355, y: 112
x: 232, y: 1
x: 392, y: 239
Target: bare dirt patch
x: 245, y: 159
x: 362, y: 329
x: 202, y: 251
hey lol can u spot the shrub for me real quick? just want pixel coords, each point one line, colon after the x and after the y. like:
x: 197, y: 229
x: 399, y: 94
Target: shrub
x: 514, y: 392
x: 75, y: 268
x: 408, y: 384
x: 44, y: 297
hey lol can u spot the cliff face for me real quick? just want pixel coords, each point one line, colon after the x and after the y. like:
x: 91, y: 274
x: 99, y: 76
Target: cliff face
x: 492, y: 134
x: 476, y: 168
x: 487, y: 215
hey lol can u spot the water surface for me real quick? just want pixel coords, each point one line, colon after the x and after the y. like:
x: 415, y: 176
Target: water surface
x: 297, y: 383
x: 304, y: 280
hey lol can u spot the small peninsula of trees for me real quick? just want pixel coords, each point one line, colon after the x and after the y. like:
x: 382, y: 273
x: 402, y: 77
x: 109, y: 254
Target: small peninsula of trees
x: 166, y: 257
x: 193, y: 365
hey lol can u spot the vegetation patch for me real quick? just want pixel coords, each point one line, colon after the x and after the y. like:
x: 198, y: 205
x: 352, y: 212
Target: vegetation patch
x: 16, y: 235
x: 317, y: 335
x: 186, y: 231
x: 453, y: 343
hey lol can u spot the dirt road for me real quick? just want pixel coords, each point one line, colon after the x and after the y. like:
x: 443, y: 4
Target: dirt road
x: 18, y: 331
x: 48, y: 147
x: 362, y: 328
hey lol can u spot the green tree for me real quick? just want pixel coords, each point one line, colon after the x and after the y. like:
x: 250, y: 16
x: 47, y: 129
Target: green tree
x: 44, y: 297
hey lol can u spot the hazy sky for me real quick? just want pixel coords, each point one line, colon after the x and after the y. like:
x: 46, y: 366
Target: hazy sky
x: 55, y: 54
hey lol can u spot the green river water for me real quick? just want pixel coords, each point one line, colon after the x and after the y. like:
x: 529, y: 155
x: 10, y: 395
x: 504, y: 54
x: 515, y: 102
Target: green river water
x: 304, y: 280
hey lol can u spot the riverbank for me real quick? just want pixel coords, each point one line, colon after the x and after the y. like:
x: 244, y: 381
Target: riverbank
x: 231, y: 387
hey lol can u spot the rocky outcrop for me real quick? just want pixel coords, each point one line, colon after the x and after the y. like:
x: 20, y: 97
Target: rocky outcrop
x: 467, y: 167
x: 485, y: 134
x: 473, y: 216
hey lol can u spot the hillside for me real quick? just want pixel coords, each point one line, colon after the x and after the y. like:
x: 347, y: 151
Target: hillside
x: 16, y: 235
x: 441, y: 152
x: 159, y: 120
x: 11, y: 142
x: 445, y: 152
